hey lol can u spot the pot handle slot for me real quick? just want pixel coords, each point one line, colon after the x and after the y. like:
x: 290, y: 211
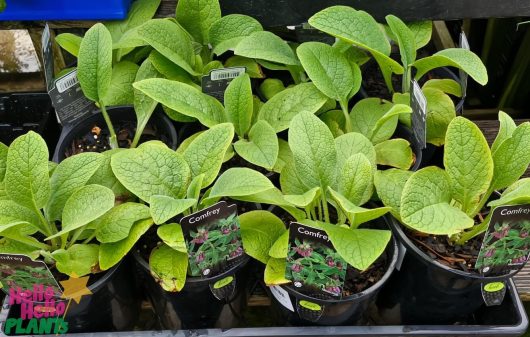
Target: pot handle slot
x: 224, y: 289
x: 309, y: 311
x: 493, y: 293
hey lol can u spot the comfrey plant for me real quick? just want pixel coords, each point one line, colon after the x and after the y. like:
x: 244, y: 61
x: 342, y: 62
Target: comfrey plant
x: 447, y: 201
x: 35, y: 196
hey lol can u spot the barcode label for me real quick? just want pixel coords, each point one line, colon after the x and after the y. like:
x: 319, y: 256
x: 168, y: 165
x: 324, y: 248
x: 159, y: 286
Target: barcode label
x: 67, y: 81
x: 225, y: 74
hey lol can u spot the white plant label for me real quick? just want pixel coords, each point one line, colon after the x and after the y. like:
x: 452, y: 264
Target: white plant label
x: 282, y: 296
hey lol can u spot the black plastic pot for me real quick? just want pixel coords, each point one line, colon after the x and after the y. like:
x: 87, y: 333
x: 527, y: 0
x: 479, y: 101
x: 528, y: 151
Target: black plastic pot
x: 428, y: 292
x: 113, y: 306
x: 198, y: 305
x: 346, y: 311
x: 159, y: 120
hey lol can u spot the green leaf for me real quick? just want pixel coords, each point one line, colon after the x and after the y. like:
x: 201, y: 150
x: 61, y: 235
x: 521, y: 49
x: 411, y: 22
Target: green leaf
x: 425, y: 204
x: 365, y: 115
x: 140, y: 12
x: 516, y: 194
x: 440, y: 112
x: 284, y: 155
x: 275, y: 272
x: 197, y: 16
x: 304, y: 200
x: 355, y: 180
x: 105, y: 177
x: 446, y: 85
x: 69, y: 42
x: 389, y: 185
x: 152, y: 170
x: 94, y: 62
x: 280, y: 249
x: 395, y: 153
x: 3, y: 160
x: 259, y: 231
x: 26, y: 179
x: 170, y: 40
x: 194, y: 188
x: 381, y: 128
x: 252, y: 67
x: 228, y: 31
x: 356, y: 215
x: 329, y: 69
x: 359, y: 247
x: 71, y: 174
x: 13, y: 214
x: 506, y: 128
x: 144, y: 106
x: 8, y: 246
x: 511, y: 159
x: 183, y: 98
x: 164, y: 208
x: 405, y: 39
x: 335, y: 121
x: 116, y: 224
x: 468, y: 163
x: 239, y: 104
x: 266, y: 46
x: 120, y: 91
x: 169, y: 267
x: 169, y: 69
x: 77, y: 260
x: 240, y: 181
x: 421, y: 31
x: 280, y: 109
x: 212, y: 66
x: 454, y: 57
x: 290, y: 182
x: 353, y: 143
x: 205, y: 153
x: 262, y: 147
x: 112, y: 253
x: 172, y: 236
x: 272, y: 196
x: 314, y: 152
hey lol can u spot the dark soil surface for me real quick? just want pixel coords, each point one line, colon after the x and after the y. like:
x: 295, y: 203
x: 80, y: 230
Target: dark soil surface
x: 357, y: 281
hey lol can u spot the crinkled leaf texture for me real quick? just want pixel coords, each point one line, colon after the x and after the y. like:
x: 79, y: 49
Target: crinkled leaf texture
x: 228, y: 31
x: 259, y: 231
x: 262, y: 147
x: 389, y: 185
x: 266, y: 46
x: 78, y: 260
x: 116, y: 224
x: 197, y: 16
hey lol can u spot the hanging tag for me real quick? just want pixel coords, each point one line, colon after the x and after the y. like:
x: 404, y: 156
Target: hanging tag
x: 313, y: 264
x: 224, y: 289
x: 213, y: 238
x: 65, y: 92
x: 493, y: 293
x: 216, y: 82
x: 418, y: 103
x: 282, y: 296
x: 464, y: 44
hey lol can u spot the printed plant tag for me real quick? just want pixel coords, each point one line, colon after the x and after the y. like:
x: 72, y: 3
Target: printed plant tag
x: 418, y: 103
x: 216, y: 82
x: 464, y: 44
x: 20, y: 273
x: 213, y: 238
x: 506, y: 244
x: 313, y: 264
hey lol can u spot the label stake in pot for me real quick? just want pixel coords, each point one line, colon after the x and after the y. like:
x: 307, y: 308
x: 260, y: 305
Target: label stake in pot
x: 418, y: 103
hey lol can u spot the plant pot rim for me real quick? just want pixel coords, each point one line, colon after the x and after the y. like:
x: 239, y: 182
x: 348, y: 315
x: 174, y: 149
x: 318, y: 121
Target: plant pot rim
x: 366, y: 292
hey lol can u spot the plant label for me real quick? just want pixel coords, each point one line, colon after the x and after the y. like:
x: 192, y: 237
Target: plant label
x: 213, y: 238
x: 23, y: 277
x: 493, y: 293
x: 462, y: 74
x: 313, y: 264
x: 282, y: 296
x: 506, y: 245
x: 65, y: 92
x: 402, y: 250
x: 216, y: 82
x: 418, y: 103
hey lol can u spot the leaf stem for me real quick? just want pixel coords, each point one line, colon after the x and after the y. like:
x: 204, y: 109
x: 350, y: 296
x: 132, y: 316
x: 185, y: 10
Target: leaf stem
x: 476, y: 230
x: 48, y: 229
x: 29, y: 242
x: 90, y: 238
x: 325, y: 206
x: 405, y: 81
x: 347, y: 120
x: 113, y: 140
x: 482, y: 202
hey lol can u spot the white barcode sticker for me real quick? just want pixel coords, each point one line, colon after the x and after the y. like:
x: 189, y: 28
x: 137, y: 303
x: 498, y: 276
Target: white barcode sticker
x: 225, y: 74
x: 282, y: 296
x: 67, y: 81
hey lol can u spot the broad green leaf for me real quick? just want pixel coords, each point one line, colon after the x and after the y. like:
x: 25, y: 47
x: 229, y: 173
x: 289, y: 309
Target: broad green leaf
x: 170, y: 40
x: 404, y: 38
x: 205, y: 153
x: 120, y: 91
x: 212, y: 66
x: 227, y: 32
x: 169, y: 267
x: 164, y: 208
x: 329, y: 69
x: 446, y: 85
x: 440, y: 112
x: 13, y: 214
x: 284, y: 155
x: 8, y: 246
x: 116, y: 224
x: 355, y: 214
x: 186, y: 142
x: 304, y: 200
x: 144, y: 106
x: 280, y: 248
x: 172, y: 236
x: 240, y: 181
x: 425, y: 204
x: 3, y: 160
x: 356, y: 180
x: 352, y: 143
x: 314, y: 152
x: 71, y: 174
x: 239, y: 104
x: 112, y: 253
x: 262, y: 147
x: 468, y: 163
x: 183, y: 98
x: 357, y: 79
x: 84, y: 206
x: 252, y: 67
x: 517, y: 193
x: 194, y: 188
x: 105, y: 177
x: 153, y: 170
x: 94, y: 62
x: 275, y: 272
x: 454, y: 57
x: 422, y: 31
x: 359, y: 247
x: 506, y: 128
x: 140, y: 12
x: 127, y: 42
x: 395, y: 152
x: 266, y: 46
x: 197, y: 16
x: 383, y: 125
x: 280, y: 109
x: 177, y: 116
x: 26, y: 179
x: 272, y: 196
x: 259, y: 231
x: 290, y: 182
x: 365, y: 114
x: 389, y: 185
x: 270, y: 87
x: 335, y: 121
x: 78, y: 260
x: 69, y: 42
x: 169, y: 69
x: 512, y: 158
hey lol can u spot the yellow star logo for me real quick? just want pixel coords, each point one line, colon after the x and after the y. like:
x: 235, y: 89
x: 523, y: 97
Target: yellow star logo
x: 75, y: 288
